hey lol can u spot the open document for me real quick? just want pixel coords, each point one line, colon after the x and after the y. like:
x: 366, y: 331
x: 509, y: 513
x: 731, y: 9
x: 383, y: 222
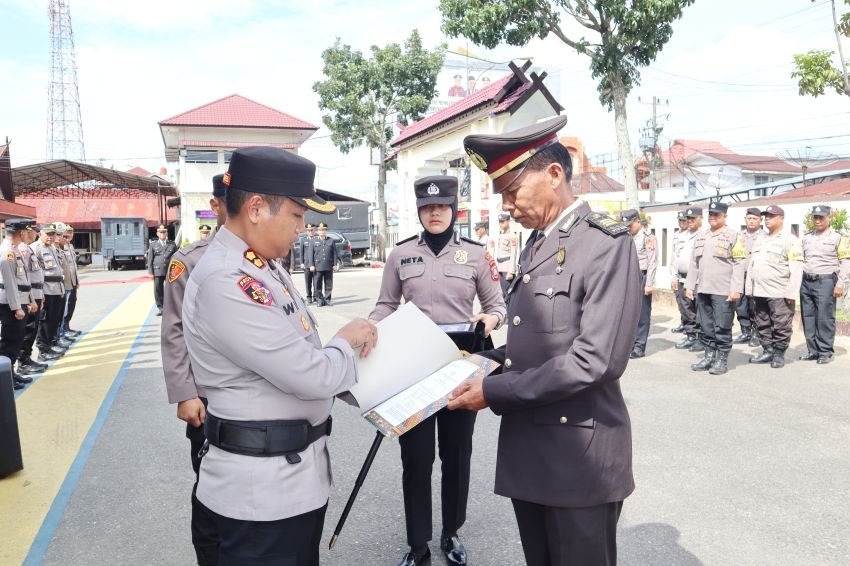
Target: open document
x: 411, y: 372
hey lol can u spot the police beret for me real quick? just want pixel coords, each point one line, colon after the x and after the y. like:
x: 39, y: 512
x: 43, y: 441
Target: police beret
x: 718, y: 207
x: 754, y: 211
x: 498, y: 154
x: 630, y: 215
x: 693, y: 212
x: 773, y: 210
x: 18, y: 224
x: 681, y: 215
x: 821, y: 210
x: 435, y: 189
x: 44, y: 227
x: 219, y: 188
x: 273, y: 171
x: 504, y: 216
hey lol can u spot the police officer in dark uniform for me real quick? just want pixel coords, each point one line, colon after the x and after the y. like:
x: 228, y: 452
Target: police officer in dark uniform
x: 15, y: 296
x: 322, y: 262
x: 306, y: 244
x: 158, y: 256
x: 565, y: 449
x: 441, y: 273
x: 179, y: 378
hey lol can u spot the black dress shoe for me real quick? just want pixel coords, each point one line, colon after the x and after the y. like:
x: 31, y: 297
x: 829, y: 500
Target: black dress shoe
x: 453, y: 549
x: 48, y: 356
x: 28, y: 370
x: 72, y: 332
x: 678, y: 330
x: 825, y: 359
x: 808, y: 357
x: 20, y: 378
x: 743, y: 338
x: 18, y: 385
x: 158, y: 312
x: 636, y: 354
x: 416, y: 558
x: 30, y: 363
x: 64, y: 343
x: 58, y: 350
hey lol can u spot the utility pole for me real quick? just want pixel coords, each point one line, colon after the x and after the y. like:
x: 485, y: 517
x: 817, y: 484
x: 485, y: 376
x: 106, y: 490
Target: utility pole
x: 649, y: 142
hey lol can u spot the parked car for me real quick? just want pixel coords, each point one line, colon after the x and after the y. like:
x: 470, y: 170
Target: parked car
x: 343, y: 248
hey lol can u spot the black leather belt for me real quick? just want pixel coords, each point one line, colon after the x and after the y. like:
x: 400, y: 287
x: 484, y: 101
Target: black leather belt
x: 264, y: 438
x: 38, y: 285
x: 53, y: 279
x: 21, y: 288
x: 817, y: 277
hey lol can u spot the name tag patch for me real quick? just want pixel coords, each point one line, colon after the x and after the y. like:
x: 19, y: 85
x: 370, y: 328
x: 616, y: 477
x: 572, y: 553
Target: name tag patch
x: 409, y: 260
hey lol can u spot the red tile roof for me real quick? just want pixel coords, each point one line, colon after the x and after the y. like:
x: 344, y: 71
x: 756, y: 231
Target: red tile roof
x: 85, y: 213
x: 836, y: 187
x: 227, y: 144
x: 139, y: 171
x: 15, y: 210
x: 774, y: 164
x: 237, y: 112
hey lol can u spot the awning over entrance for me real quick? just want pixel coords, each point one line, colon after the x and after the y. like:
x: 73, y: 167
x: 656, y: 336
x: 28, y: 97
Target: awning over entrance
x: 51, y: 178
x: 85, y: 213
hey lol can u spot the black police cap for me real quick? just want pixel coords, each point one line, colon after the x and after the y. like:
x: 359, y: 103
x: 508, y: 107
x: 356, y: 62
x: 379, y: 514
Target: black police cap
x: 754, y: 211
x: 483, y: 224
x: 18, y: 224
x: 629, y: 216
x: 504, y: 216
x: 273, y: 171
x: 821, y: 210
x: 681, y: 215
x: 219, y: 188
x: 718, y: 207
x: 435, y: 189
x: 694, y: 212
x: 498, y: 154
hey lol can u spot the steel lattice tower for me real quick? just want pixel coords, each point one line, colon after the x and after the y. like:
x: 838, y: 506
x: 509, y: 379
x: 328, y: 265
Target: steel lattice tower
x: 64, y: 120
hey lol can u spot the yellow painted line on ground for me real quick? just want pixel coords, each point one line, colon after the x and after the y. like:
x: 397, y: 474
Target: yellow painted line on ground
x: 55, y: 415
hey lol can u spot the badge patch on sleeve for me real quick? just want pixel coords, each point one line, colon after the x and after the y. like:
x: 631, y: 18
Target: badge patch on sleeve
x: 175, y: 269
x: 255, y: 290
x: 252, y: 256
x: 10, y: 256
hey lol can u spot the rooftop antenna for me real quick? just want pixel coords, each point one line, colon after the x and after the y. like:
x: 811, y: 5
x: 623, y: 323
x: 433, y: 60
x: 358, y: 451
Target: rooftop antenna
x: 64, y: 121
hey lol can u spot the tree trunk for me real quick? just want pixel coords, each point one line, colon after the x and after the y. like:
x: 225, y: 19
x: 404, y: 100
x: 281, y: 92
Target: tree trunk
x: 382, y: 206
x: 840, y: 51
x: 624, y: 144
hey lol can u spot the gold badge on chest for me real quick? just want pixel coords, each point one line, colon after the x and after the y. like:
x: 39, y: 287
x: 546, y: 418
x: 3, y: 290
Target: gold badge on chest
x: 562, y: 255
x: 461, y: 257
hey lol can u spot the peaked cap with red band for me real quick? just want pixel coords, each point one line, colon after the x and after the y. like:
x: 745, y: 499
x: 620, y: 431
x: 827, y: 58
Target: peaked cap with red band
x: 498, y: 154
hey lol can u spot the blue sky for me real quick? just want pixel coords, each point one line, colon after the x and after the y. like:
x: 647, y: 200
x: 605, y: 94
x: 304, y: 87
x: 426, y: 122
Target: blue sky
x: 725, y: 72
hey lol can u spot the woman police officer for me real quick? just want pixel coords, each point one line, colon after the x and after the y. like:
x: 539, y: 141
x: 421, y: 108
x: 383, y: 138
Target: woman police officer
x: 441, y: 273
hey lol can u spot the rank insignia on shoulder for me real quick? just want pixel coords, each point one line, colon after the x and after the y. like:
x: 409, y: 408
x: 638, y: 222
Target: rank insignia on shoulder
x: 404, y: 241
x: 252, y: 256
x: 255, y: 290
x: 606, y: 224
x: 176, y: 268
x: 471, y: 241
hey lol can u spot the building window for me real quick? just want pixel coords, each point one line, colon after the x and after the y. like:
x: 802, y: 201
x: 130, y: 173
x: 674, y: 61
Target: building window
x: 761, y: 179
x: 201, y: 156
x: 227, y: 156
x: 343, y: 213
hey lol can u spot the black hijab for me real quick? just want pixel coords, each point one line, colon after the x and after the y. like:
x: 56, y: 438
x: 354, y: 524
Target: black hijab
x: 436, y: 242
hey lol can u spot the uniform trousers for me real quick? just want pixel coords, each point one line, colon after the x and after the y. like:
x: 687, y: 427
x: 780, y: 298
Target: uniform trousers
x: 204, y: 533
x: 817, y: 307
x: 744, y: 310
x: 774, y: 318
x: 51, y: 318
x: 293, y: 541
x: 324, y: 286
x: 504, y: 283
x: 11, y: 333
x: 30, y: 331
x: 308, y: 282
x: 687, y: 308
x: 454, y: 436
x: 645, y: 316
x: 158, y: 285
x: 715, y: 314
x: 568, y: 536
x: 70, y: 307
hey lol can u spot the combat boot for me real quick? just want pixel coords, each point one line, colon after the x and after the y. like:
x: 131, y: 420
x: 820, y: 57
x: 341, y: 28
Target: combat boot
x: 697, y: 346
x: 719, y: 365
x: 763, y: 358
x: 778, y: 360
x: 678, y: 330
x: 744, y: 337
x: 707, y: 361
x: 690, y: 340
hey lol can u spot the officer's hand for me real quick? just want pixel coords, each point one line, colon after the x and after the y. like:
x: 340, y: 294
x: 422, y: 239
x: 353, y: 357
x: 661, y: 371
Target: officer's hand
x: 360, y: 333
x: 33, y: 306
x: 674, y: 284
x: 647, y: 290
x: 20, y: 314
x: 312, y: 269
x: 336, y: 268
x: 302, y: 266
x: 509, y: 277
x: 192, y: 411
x: 468, y: 395
x: 733, y: 297
x: 838, y: 292
x: 689, y: 294
x: 490, y: 321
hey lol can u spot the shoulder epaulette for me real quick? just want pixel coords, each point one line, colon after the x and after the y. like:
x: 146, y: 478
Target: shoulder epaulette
x: 477, y: 243
x: 404, y: 241
x: 606, y: 224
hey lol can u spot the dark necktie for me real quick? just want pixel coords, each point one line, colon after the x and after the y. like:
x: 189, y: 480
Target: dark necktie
x: 538, y: 243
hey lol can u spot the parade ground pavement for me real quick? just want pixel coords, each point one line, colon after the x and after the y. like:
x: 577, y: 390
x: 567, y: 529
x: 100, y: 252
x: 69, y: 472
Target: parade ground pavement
x: 748, y: 468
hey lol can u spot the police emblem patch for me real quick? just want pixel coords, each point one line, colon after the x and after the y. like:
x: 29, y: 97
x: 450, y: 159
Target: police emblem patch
x: 433, y: 189
x: 255, y: 290
x: 252, y: 256
x: 175, y: 269
x: 10, y: 256
x: 461, y: 257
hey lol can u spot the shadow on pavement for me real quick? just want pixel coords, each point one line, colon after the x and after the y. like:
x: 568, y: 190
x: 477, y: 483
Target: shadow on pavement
x: 653, y: 544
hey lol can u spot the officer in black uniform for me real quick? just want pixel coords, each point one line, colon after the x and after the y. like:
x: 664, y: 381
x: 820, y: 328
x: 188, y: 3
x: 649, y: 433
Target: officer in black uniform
x: 323, y: 256
x: 159, y: 254
x: 306, y: 244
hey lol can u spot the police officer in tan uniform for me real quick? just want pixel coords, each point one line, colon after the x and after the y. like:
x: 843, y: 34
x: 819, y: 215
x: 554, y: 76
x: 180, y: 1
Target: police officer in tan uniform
x: 717, y: 268
x: 506, y: 252
x: 54, y: 294
x: 15, y: 297
x: 564, y: 456
x: 441, y: 273
x: 773, y: 280
x: 827, y: 265
x: 676, y: 246
x: 745, y: 309
x: 35, y: 272
x: 647, y: 252
x: 255, y: 352
x: 688, y: 306
x: 179, y: 378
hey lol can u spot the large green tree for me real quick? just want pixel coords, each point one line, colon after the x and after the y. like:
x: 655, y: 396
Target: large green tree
x: 815, y: 71
x: 364, y: 97
x: 618, y: 36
